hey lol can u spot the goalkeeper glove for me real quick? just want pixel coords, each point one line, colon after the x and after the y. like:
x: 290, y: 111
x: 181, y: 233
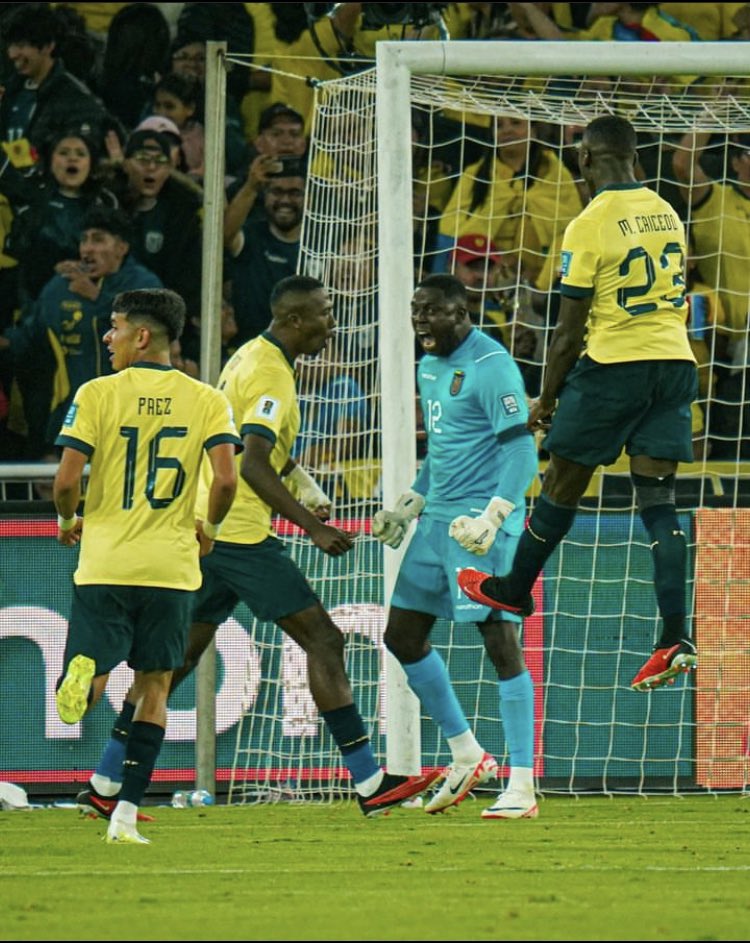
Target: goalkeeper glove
x: 306, y: 489
x: 477, y: 534
x: 390, y: 526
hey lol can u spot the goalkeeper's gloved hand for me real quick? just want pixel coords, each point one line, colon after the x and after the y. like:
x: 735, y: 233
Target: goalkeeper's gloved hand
x: 390, y: 526
x: 477, y: 534
x: 307, y: 491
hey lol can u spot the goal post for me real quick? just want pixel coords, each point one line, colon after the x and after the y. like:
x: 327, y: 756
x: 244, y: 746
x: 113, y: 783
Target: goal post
x: 363, y: 236
x: 396, y: 65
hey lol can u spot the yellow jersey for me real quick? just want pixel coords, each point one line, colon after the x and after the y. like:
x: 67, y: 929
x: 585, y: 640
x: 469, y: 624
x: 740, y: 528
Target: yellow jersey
x: 721, y: 229
x: 144, y: 430
x: 259, y: 381
x: 519, y: 213
x: 626, y: 251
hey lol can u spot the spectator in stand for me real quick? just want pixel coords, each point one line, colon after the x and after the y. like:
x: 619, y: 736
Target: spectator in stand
x: 42, y: 96
x: 168, y: 128
x: 178, y: 97
x: 721, y: 235
x: 336, y: 43
x: 72, y: 314
x: 136, y: 55
x: 711, y: 21
x: 281, y: 130
x: 165, y: 216
x: 519, y: 196
x: 497, y: 305
x: 49, y: 206
x: 611, y: 21
x: 281, y: 135
x: 719, y: 227
x: 264, y: 251
x: 189, y: 58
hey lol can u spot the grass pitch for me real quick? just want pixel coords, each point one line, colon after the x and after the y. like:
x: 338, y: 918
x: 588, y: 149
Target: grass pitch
x: 586, y: 869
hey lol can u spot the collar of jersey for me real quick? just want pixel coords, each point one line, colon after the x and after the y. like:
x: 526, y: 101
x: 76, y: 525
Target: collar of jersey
x: 152, y: 366
x: 267, y: 335
x: 636, y: 185
x: 464, y: 342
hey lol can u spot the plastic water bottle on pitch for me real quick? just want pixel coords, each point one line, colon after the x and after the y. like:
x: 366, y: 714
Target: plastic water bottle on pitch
x: 201, y: 797
x: 180, y: 800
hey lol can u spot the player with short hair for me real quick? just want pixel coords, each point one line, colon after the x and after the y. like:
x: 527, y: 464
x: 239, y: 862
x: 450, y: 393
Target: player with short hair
x: 251, y: 564
x: 470, y: 492
x: 143, y: 430
x: 620, y: 373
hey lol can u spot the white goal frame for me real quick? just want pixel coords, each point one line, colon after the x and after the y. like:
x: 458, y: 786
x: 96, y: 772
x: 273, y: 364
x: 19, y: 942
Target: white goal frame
x: 396, y: 62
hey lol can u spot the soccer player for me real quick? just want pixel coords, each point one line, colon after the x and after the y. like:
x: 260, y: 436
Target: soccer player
x: 251, y: 564
x: 143, y: 431
x: 620, y: 373
x: 470, y: 493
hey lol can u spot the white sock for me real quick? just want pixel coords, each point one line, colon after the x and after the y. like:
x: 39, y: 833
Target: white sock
x: 370, y: 785
x: 104, y: 785
x: 521, y: 779
x: 125, y: 813
x: 465, y: 749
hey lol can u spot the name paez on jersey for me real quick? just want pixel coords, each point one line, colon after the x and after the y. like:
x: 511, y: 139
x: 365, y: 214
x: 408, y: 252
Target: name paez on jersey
x: 154, y: 405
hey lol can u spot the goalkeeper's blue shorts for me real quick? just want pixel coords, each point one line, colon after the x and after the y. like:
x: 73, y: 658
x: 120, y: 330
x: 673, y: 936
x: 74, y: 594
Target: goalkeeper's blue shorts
x: 261, y: 575
x: 643, y: 405
x: 427, y: 580
x: 146, y: 626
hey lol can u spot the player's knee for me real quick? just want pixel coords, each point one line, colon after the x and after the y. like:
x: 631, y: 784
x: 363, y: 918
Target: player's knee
x: 327, y: 641
x: 503, y: 647
x: 400, y: 645
x: 653, y: 492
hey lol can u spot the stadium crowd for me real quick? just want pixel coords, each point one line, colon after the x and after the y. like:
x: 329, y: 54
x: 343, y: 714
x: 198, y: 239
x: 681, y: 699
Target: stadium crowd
x: 102, y: 138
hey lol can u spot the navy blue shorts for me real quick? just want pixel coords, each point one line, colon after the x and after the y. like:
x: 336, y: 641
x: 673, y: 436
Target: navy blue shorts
x: 145, y: 626
x: 263, y: 576
x: 643, y: 405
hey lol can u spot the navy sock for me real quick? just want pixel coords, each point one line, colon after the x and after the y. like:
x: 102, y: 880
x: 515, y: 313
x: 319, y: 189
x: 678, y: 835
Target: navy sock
x: 110, y: 764
x: 669, y: 552
x: 143, y: 748
x: 547, y: 526
x: 348, y: 730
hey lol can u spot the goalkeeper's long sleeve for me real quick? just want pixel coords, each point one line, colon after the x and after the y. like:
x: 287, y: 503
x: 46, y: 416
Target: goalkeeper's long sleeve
x: 519, y: 465
x: 422, y: 481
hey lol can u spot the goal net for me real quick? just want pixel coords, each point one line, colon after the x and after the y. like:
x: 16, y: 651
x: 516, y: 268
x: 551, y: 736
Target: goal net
x: 422, y: 167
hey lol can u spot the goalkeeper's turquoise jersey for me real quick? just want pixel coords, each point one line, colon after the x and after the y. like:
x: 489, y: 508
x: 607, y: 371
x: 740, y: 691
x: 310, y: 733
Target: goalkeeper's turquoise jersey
x: 475, y: 412
x: 144, y: 430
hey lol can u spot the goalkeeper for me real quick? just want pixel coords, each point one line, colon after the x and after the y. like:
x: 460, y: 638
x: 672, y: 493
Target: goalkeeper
x: 470, y: 493
x: 251, y: 564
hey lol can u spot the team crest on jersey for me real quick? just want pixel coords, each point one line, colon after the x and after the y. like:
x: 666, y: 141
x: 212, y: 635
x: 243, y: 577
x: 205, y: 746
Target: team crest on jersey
x: 565, y: 259
x: 154, y: 241
x: 70, y: 416
x: 267, y: 407
x: 509, y: 404
x: 457, y: 382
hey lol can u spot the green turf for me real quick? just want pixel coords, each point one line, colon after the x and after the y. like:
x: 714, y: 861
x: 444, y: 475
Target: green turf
x: 587, y: 869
